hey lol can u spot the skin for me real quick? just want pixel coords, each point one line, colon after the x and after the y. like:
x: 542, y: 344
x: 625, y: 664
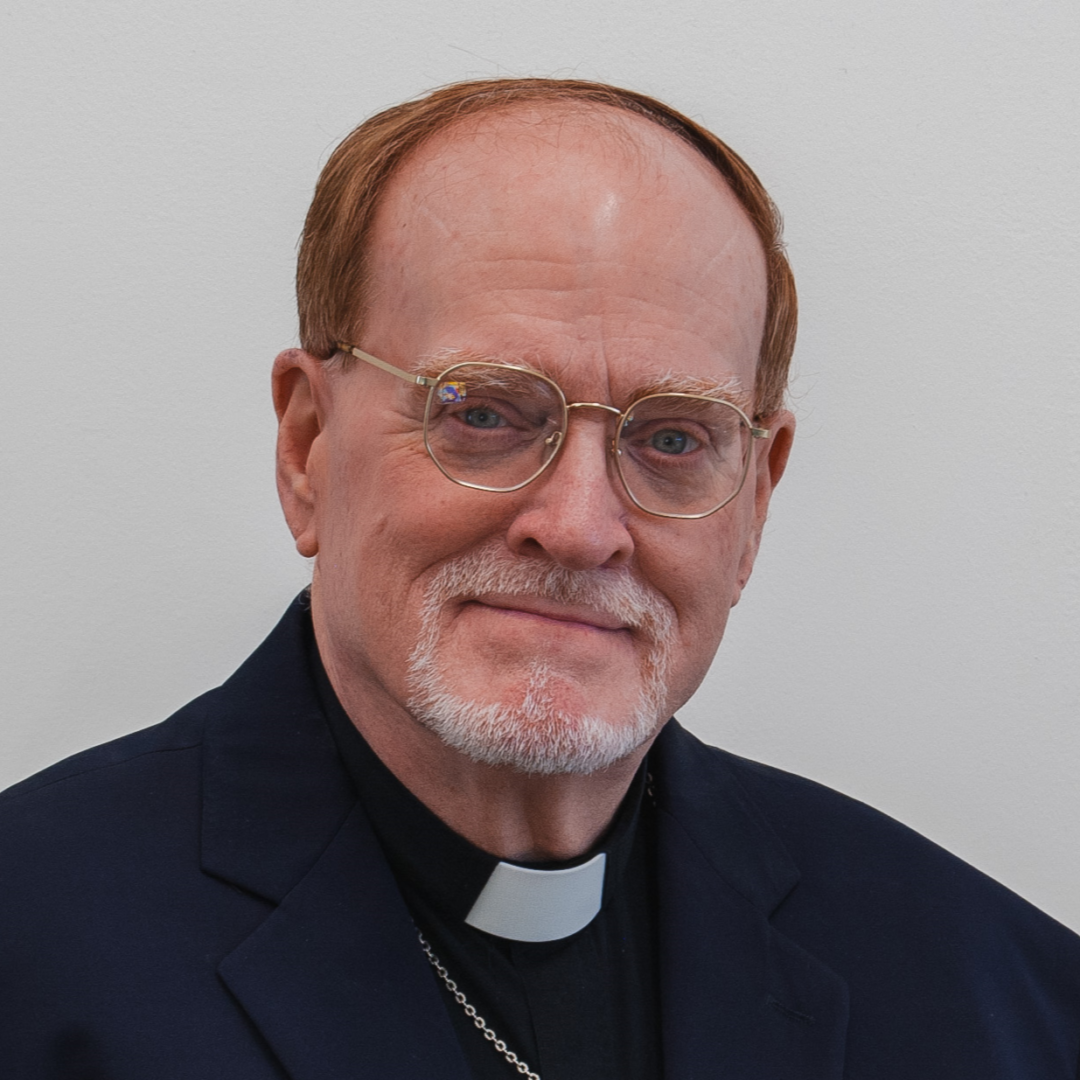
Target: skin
x: 595, y: 247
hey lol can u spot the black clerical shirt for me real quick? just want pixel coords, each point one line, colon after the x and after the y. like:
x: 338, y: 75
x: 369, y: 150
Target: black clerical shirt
x: 584, y: 1007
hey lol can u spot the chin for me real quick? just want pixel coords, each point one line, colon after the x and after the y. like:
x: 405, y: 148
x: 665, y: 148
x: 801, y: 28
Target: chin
x: 534, y: 730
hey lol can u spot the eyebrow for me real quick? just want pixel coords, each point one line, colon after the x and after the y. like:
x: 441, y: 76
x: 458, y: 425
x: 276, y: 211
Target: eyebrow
x: 729, y: 388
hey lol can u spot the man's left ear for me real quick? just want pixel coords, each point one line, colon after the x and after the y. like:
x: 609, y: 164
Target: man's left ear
x: 766, y: 469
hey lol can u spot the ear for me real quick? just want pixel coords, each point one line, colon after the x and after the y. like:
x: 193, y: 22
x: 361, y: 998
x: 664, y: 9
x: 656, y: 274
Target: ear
x: 298, y: 379
x: 766, y: 469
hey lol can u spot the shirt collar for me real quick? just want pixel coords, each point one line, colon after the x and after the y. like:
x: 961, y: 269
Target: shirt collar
x: 426, y: 855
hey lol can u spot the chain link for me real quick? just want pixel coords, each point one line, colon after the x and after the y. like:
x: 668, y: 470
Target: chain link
x: 472, y: 1014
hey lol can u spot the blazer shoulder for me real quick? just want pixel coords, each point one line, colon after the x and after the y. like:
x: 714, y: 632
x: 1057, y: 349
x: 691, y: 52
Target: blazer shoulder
x: 806, y: 817
x: 813, y: 819
x: 847, y: 848
x: 181, y: 731
x: 788, y: 799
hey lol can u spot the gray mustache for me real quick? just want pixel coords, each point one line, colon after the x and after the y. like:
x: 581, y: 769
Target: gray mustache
x: 617, y: 593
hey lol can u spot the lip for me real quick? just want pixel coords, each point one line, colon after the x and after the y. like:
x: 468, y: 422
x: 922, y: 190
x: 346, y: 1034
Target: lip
x: 570, y: 614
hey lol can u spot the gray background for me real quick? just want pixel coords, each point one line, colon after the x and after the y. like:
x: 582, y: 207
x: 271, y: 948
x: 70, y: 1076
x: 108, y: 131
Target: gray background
x: 910, y: 633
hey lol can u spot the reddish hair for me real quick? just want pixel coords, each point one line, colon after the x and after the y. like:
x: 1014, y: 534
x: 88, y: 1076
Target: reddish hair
x: 332, y: 274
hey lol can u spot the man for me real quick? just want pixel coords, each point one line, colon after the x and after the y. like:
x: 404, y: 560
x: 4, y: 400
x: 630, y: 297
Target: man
x: 440, y: 824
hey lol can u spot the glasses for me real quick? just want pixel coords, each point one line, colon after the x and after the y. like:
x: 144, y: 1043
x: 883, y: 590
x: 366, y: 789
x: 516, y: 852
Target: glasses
x: 497, y: 427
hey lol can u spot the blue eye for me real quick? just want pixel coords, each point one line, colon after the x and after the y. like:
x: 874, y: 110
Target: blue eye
x: 672, y: 441
x: 482, y: 418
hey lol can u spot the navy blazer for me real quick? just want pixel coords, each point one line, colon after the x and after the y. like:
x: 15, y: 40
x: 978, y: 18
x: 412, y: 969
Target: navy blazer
x: 205, y: 899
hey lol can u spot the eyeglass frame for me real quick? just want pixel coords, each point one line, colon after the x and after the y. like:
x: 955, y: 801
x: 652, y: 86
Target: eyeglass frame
x: 430, y: 383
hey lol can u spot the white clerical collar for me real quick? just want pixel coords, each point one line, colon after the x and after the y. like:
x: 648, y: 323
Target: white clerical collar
x: 539, y: 905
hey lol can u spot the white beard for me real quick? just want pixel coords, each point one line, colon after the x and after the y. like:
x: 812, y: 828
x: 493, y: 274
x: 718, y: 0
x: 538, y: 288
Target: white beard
x: 531, y: 733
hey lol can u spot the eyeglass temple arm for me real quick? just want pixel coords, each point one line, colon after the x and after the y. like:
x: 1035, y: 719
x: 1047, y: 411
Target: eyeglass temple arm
x: 408, y: 376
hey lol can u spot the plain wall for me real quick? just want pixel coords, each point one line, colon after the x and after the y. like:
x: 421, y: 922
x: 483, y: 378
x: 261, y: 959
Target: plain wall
x: 910, y: 633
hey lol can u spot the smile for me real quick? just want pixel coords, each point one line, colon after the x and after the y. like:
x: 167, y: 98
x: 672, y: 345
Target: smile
x: 569, y: 615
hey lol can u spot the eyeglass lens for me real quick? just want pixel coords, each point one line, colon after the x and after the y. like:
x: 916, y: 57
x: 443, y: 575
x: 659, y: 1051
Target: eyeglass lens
x: 496, y: 428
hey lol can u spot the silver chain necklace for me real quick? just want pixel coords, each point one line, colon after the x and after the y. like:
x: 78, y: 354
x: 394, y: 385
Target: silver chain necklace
x: 472, y: 1014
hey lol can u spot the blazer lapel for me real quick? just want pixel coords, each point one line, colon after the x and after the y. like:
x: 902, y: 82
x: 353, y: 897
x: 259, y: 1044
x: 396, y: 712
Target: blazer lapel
x: 739, y: 1000
x: 333, y: 979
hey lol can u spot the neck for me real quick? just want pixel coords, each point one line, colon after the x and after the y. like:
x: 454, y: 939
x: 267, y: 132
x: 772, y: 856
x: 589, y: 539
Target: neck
x: 513, y: 815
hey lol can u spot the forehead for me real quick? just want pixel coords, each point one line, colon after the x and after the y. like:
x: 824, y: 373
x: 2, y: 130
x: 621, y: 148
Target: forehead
x: 553, y: 236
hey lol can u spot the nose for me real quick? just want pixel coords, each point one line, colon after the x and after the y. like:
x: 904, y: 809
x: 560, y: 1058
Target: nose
x: 576, y: 512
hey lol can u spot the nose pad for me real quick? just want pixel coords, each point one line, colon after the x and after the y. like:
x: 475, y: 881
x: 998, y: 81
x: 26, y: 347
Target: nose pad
x: 560, y: 438
x: 578, y: 513
x: 557, y: 439
x: 569, y: 441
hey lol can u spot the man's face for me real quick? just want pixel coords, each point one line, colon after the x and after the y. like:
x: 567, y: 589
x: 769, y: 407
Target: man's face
x: 598, y: 250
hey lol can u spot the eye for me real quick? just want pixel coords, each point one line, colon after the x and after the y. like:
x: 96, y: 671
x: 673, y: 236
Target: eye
x: 673, y: 441
x: 482, y: 417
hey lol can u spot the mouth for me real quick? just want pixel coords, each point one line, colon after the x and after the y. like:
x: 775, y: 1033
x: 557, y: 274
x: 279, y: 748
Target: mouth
x: 569, y: 615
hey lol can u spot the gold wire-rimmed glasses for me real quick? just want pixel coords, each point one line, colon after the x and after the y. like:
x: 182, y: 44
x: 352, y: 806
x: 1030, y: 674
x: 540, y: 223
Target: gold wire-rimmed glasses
x: 497, y: 427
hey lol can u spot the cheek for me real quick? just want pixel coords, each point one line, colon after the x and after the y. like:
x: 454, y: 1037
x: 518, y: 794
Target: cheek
x: 391, y: 515
x: 700, y: 582
x: 696, y: 565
